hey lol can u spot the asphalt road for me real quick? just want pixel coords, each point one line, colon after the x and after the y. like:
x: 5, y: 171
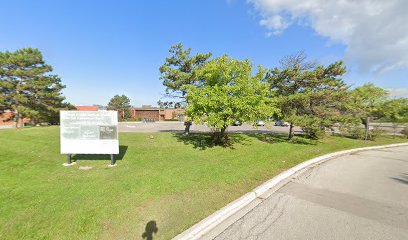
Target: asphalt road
x: 359, y: 196
x: 179, y: 127
x: 245, y: 128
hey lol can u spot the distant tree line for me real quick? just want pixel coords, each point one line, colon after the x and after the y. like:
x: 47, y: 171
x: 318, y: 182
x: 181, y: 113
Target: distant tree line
x: 223, y: 90
x: 29, y: 89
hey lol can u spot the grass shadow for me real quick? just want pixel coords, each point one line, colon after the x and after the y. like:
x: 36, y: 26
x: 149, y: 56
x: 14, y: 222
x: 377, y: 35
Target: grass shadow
x: 122, y: 153
x: 203, y: 141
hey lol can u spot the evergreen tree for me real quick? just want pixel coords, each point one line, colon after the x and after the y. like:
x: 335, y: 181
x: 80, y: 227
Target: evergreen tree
x: 27, y: 86
x: 120, y: 103
x: 179, y: 71
x: 309, y: 97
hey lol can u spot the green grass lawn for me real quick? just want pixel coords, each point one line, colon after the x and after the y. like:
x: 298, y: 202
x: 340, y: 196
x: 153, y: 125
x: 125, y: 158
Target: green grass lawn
x: 173, y: 180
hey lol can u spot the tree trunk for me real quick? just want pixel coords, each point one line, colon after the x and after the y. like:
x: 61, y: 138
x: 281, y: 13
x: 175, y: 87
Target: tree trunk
x: 187, y: 128
x: 20, y: 122
x: 220, y: 137
x: 16, y: 119
x: 222, y: 134
x: 365, y: 121
x: 394, y: 126
x: 291, y: 131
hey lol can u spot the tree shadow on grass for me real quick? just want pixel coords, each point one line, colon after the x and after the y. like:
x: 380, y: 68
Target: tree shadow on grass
x: 122, y: 153
x: 280, y: 138
x: 203, y: 141
x: 150, y: 229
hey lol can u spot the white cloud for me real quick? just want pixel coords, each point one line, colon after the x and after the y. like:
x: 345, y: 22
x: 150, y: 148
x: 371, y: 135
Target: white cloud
x: 275, y: 24
x: 398, y: 92
x: 375, y: 32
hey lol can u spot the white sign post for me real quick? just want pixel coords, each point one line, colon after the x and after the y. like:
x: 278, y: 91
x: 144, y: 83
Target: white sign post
x: 89, y: 132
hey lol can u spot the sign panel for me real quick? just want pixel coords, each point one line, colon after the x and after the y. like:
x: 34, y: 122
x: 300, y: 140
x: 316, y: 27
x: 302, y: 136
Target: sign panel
x: 89, y: 132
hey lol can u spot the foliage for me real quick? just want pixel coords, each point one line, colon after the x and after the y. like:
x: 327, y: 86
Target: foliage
x: 395, y: 110
x: 374, y: 133
x: 312, y: 127
x: 309, y: 98
x: 53, y: 117
x: 168, y: 104
x: 27, y: 87
x: 405, y: 132
x: 352, y: 130
x: 120, y: 103
x: 366, y: 101
x: 229, y: 93
x: 297, y: 61
x: 355, y: 131
x: 179, y: 70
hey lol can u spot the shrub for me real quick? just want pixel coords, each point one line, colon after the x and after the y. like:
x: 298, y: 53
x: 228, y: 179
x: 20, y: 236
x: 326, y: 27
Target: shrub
x: 374, y: 133
x: 356, y: 131
x: 405, y: 132
x: 352, y: 130
x: 313, y: 128
x: 313, y: 131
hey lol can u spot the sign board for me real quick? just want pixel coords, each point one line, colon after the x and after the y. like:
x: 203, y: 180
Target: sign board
x: 89, y: 132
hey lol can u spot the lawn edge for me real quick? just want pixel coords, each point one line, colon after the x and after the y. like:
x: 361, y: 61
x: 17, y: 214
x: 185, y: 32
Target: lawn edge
x: 204, y: 228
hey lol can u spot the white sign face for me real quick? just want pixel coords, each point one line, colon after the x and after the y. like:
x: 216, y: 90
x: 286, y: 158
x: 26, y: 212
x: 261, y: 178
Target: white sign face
x: 89, y: 132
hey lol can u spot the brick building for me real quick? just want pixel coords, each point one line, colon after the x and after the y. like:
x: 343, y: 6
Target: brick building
x: 147, y: 112
x: 7, y: 118
x: 87, y: 108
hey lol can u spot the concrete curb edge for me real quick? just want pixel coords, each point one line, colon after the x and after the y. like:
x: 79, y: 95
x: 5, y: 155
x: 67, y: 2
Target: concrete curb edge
x: 206, y: 225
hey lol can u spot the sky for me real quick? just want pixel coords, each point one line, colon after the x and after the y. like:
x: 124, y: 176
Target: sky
x: 103, y: 48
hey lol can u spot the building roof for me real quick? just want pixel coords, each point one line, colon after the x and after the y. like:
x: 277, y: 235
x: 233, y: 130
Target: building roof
x: 87, y: 108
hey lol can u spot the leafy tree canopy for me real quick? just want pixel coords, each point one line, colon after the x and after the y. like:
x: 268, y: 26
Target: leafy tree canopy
x: 396, y: 110
x: 366, y: 101
x: 229, y: 93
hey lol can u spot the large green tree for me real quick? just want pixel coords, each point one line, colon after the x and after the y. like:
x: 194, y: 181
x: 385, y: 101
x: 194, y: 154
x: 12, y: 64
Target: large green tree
x: 309, y: 96
x: 229, y: 93
x: 120, y: 103
x: 365, y: 102
x: 27, y: 86
x: 395, y: 110
x: 180, y: 70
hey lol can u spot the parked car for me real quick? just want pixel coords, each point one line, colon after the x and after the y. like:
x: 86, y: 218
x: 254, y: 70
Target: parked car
x: 237, y: 123
x: 260, y: 123
x: 282, y: 123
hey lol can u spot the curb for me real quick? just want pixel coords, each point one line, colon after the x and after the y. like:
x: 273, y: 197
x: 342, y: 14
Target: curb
x: 203, y: 227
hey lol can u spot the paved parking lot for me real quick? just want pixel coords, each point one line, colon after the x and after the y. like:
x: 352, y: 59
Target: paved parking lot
x: 245, y: 128
x: 179, y: 127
